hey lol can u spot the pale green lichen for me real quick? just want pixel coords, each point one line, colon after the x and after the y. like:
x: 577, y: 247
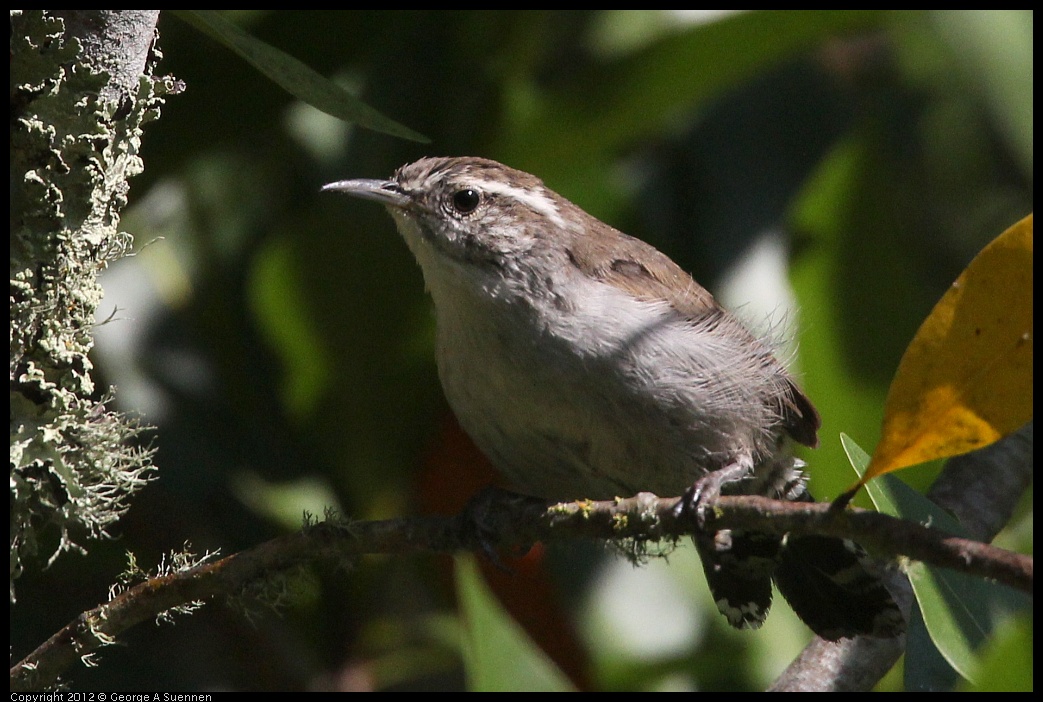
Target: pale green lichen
x: 174, y: 563
x: 74, y: 462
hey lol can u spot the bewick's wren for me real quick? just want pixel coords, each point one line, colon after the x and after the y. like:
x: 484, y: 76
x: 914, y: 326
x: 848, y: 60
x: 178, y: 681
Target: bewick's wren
x: 587, y: 364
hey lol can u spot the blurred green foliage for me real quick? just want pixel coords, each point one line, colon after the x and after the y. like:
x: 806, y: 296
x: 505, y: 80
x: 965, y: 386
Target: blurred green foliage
x: 282, y: 343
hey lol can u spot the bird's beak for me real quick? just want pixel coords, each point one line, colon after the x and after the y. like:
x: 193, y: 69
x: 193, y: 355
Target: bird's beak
x: 386, y: 192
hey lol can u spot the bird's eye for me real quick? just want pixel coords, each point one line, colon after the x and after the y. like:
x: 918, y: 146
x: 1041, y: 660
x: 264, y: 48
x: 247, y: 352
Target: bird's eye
x: 466, y: 201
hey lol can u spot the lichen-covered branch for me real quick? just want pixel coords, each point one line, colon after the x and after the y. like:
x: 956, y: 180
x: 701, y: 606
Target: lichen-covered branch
x: 494, y: 521
x: 75, y: 135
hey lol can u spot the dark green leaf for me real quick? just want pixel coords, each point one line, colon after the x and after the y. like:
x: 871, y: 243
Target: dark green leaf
x: 498, y: 655
x: 958, y: 611
x: 295, y: 77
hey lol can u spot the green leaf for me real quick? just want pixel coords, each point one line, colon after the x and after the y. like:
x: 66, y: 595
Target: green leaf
x: 959, y: 612
x: 1006, y: 661
x: 630, y: 98
x: 994, y: 49
x: 295, y: 77
x: 498, y: 655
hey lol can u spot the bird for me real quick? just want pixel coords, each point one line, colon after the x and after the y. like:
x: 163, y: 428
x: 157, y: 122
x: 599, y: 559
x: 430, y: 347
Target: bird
x: 586, y: 364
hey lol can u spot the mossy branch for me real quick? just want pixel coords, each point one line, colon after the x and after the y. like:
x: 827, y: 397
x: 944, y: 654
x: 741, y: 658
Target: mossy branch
x: 499, y: 520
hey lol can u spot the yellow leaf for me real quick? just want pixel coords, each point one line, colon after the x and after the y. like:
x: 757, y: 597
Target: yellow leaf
x: 966, y: 379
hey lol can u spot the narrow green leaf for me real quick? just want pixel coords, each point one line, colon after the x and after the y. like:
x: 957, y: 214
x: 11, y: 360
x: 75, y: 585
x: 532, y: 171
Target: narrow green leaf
x: 1007, y: 659
x: 294, y: 76
x: 959, y: 612
x: 498, y: 655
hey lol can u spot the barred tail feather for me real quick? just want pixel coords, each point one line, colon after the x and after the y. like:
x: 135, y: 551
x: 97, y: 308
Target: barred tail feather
x: 738, y: 567
x: 827, y: 583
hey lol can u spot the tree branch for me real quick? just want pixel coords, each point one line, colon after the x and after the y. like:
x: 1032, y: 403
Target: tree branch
x: 501, y: 520
x: 81, y: 90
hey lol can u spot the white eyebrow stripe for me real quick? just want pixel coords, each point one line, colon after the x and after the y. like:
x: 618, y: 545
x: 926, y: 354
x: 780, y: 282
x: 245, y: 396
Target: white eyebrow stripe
x: 534, y: 199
